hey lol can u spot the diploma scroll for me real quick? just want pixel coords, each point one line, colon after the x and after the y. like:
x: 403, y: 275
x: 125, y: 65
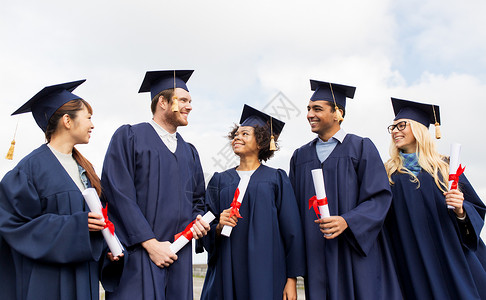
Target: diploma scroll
x: 320, y: 199
x: 91, y: 197
x: 186, y: 236
x: 455, y: 169
x: 239, y: 195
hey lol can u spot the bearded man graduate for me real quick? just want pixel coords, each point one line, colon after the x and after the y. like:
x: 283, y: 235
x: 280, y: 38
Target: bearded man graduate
x: 154, y: 184
x: 346, y: 254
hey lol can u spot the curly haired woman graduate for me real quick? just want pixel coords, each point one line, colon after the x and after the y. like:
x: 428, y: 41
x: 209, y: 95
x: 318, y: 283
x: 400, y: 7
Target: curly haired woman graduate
x: 264, y: 253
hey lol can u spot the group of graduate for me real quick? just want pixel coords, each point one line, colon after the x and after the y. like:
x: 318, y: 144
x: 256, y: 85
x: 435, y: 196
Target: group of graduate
x: 395, y: 231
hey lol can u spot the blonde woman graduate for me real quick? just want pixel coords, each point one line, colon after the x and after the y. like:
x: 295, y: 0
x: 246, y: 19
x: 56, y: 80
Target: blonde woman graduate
x: 51, y: 246
x: 438, y: 252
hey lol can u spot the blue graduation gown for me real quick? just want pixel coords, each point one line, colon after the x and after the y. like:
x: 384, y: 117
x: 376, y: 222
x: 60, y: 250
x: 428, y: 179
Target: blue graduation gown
x: 437, y: 256
x: 357, y: 264
x: 47, y: 251
x: 152, y: 193
x: 265, y: 247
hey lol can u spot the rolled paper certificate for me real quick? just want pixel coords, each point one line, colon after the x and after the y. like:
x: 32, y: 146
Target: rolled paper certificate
x: 235, y: 205
x: 184, y: 237
x: 94, y: 204
x: 455, y: 168
x: 319, y: 201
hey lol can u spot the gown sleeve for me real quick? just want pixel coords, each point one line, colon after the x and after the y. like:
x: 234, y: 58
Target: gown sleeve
x: 290, y: 227
x: 118, y: 185
x: 198, y: 206
x: 292, y: 168
x: 293, y: 182
x: 365, y: 221
x: 110, y: 271
x: 212, y: 204
x: 470, y: 228
x: 45, y: 237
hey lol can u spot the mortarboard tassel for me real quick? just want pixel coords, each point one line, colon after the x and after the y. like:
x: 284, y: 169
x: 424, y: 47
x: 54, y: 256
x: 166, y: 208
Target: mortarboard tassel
x: 437, y: 125
x: 273, y: 147
x: 339, y: 115
x: 438, y: 135
x: 11, y: 150
x: 175, y: 102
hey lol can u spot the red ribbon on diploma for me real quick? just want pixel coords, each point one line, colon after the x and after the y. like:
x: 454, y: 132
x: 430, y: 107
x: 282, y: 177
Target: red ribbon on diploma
x: 314, y: 202
x: 455, y: 177
x: 235, y: 205
x: 187, y: 233
x: 108, y: 223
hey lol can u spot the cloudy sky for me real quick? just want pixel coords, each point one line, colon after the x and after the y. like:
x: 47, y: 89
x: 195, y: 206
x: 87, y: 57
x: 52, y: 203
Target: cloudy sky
x: 262, y: 53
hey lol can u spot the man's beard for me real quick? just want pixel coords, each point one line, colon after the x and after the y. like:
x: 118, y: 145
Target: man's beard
x: 174, y: 118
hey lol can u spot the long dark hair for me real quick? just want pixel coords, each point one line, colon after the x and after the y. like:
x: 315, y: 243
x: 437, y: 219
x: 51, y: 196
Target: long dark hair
x: 72, y: 108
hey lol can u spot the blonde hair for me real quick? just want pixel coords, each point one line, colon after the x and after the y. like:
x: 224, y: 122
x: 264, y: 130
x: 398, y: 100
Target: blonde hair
x: 428, y: 158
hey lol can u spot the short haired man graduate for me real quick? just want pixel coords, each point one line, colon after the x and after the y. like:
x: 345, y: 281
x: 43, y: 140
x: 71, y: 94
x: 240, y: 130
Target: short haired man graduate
x: 346, y: 255
x: 154, y: 184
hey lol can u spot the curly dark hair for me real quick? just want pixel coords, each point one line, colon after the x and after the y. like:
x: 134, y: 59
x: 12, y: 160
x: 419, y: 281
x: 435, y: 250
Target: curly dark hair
x: 262, y: 136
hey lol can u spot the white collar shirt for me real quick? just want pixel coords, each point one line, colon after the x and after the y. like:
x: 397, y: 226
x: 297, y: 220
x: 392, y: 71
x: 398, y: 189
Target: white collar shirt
x: 169, y: 139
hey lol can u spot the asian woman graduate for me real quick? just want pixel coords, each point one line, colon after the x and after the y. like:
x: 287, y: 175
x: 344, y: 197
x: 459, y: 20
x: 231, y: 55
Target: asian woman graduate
x: 264, y: 253
x: 438, y: 251
x: 51, y: 246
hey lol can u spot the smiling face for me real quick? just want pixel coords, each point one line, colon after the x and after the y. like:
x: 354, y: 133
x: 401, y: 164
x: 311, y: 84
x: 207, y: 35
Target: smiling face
x: 185, y: 107
x: 244, y: 142
x: 322, y: 119
x: 81, y: 127
x: 404, y: 139
x: 179, y: 118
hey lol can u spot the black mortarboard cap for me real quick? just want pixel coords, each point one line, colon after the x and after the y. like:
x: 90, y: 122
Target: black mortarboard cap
x: 158, y: 81
x: 322, y: 91
x: 253, y: 117
x: 425, y: 114
x: 46, y: 102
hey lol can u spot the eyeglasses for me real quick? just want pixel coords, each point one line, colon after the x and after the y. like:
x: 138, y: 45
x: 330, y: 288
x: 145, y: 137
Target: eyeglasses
x: 400, y: 126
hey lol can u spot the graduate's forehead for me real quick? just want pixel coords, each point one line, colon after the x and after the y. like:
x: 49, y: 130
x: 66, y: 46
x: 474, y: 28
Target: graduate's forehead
x: 318, y: 104
x: 182, y: 94
x: 400, y: 120
x: 245, y: 129
x: 84, y: 112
